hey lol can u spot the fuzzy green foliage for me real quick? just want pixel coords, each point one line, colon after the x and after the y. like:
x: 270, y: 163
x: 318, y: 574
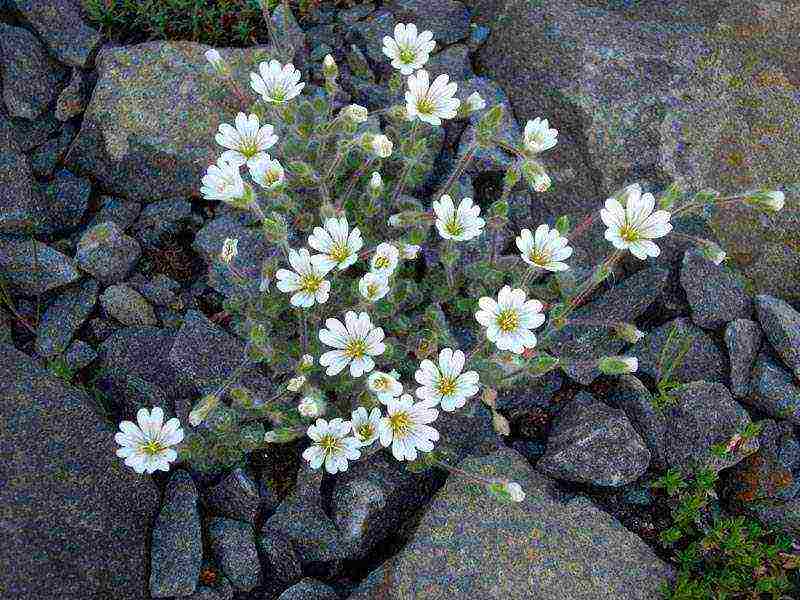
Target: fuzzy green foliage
x: 721, y: 557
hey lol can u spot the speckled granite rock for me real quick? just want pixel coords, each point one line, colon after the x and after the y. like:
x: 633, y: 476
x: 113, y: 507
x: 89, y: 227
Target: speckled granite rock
x: 34, y: 268
x: 715, y: 293
x: 107, y: 253
x: 774, y: 390
x: 64, y: 316
x: 234, y: 548
x: 631, y: 395
x: 447, y: 19
x: 74, y: 515
x: 781, y: 325
x: 467, y: 546
x: 131, y: 142
x: 309, y: 589
x: 743, y: 339
x: 127, y: 306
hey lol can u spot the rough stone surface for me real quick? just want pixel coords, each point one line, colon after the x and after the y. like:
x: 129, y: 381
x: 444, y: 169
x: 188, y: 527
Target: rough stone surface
x: 162, y: 220
x: 743, y: 339
x: 127, y: 306
x: 122, y: 213
x: 177, y: 546
x: 309, y: 589
x: 280, y: 562
x: 781, y: 324
x: 369, y: 34
x: 62, y: 27
x: 234, y: 549
x: 703, y: 361
x: 64, y: 316
x: 235, y: 497
x: 67, y: 199
x: 35, y: 272
x: 539, y: 549
x: 73, y: 514
x: 774, y: 390
x: 73, y: 98
x: 46, y: 158
x: 21, y: 207
x: 447, y: 19
x: 593, y: 443
x: 633, y: 397
x: 79, y: 355
x: 130, y: 141
x: 703, y: 414
x: 30, y: 77
x: 716, y: 295
x: 107, y: 253
x: 624, y: 302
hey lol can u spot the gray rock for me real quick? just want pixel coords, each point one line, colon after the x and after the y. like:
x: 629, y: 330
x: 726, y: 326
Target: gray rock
x: 536, y: 393
x: 703, y: 361
x: 454, y: 61
x: 781, y: 325
x: 235, y: 497
x: 130, y: 393
x: 281, y: 563
x: 127, y: 306
x: 369, y: 34
x: 177, y: 543
x: 773, y: 390
x: 703, y: 414
x: 79, y: 355
x: 33, y: 268
x: 349, y: 16
x: 107, y: 253
x: 47, y: 157
x: 164, y: 219
x: 122, y: 213
x: 769, y: 472
x: 64, y: 316
x: 73, y: 98
x: 61, y: 26
x: 5, y: 328
x: 716, y: 295
x: 21, y: 207
x: 130, y: 141
x: 160, y: 290
x: 447, y: 19
x: 129, y: 352
x: 67, y: 198
x: 74, y: 513
x: 743, y: 339
x: 309, y: 589
x: 468, y: 545
x: 593, y: 443
x: 234, y: 549
x: 31, y: 134
x: 783, y: 515
x: 630, y: 394
x: 624, y: 302
x: 30, y: 77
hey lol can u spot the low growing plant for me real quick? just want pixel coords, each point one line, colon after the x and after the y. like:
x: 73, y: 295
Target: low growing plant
x: 343, y: 315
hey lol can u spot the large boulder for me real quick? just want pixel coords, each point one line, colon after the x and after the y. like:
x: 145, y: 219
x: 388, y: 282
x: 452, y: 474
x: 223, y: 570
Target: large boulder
x: 75, y: 519
x: 148, y: 132
x: 469, y: 545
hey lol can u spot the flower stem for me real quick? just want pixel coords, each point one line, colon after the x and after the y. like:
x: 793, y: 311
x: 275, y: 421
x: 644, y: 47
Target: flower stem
x: 353, y: 181
x: 718, y: 202
x: 466, y: 474
x: 509, y: 148
x: 401, y: 182
x: 460, y: 167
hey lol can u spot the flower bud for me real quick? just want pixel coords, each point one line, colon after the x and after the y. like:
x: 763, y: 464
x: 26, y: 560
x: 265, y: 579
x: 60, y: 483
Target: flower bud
x: 311, y: 407
x: 535, y: 176
x: 295, y: 383
x: 396, y: 221
x: 628, y: 332
x: 475, y: 102
x: 770, y: 200
x: 382, y: 146
x: 329, y: 68
x: 307, y: 361
x: 229, y: 251
x: 356, y: 113
x: 203, y: 409
x: 214, y: 57
x: 515, y: 491
x: 409, y: 251
x: 618, y: 365
x: 713, y: 252
x: 376, y: 183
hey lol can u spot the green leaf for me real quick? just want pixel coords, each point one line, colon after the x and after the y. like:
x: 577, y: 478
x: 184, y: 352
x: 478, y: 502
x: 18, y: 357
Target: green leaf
x: 563, y: 225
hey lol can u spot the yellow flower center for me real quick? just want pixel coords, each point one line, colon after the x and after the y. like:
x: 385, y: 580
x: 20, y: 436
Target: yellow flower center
x: 329, y: 444
x: 271, y: 176
x: 628, y: 233
x: 382, y: 262
x: 407, y: 55
x: 453, y: 226
x: 355, y: 349
x: 400, y: 423
x: 249, y: 148
x: 365, y: 432
x: 339, y: 252
x: 508, y: 320
x: 278, y: 95
x: 425, y: 106
x: 446, y: 386
x: 372, y: 290
x: 381, y: 383
x: 153, y: 447
x: 310, y: 283
x: 538, y: 257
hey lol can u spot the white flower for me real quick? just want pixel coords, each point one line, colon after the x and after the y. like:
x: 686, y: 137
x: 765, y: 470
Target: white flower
x: 545, y: 248
x: 541, y: 182
x: 307, y: 282
x: 774, y: 200
x: 510, y: 319
x: 331, y: 445
x: 339, y: 246
x: 384, y: 385
x: 407, y: 427
x: 356, y: 342
x: 230, y: 250
x: 408, y: 50
x: 295, y: 383
x: 266, y: 171
x: 628, y: 332
x: 307, y: 361
x: 202, y: 409
x: 475, y: 102
x: 147, y: 447
x: 376, y: 182
x: 275, y: 83
x: 445, y: 384
x: 538, y: 136
x: 328, y: 61
x: 385, y: 259
x: 636, y: 225
x: 214, y: 57
x: 311, y: 407
x: 356, y: 113
x: 222, y: 181
x: 409, y: 251
x: 366, y: 425
x: 373, y: 286
x: 247, y: 141
x: 431, y: 102
x: 395, y: 221
x: 460, y: 224
x: 382, y: 146
x: 515, y: 491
